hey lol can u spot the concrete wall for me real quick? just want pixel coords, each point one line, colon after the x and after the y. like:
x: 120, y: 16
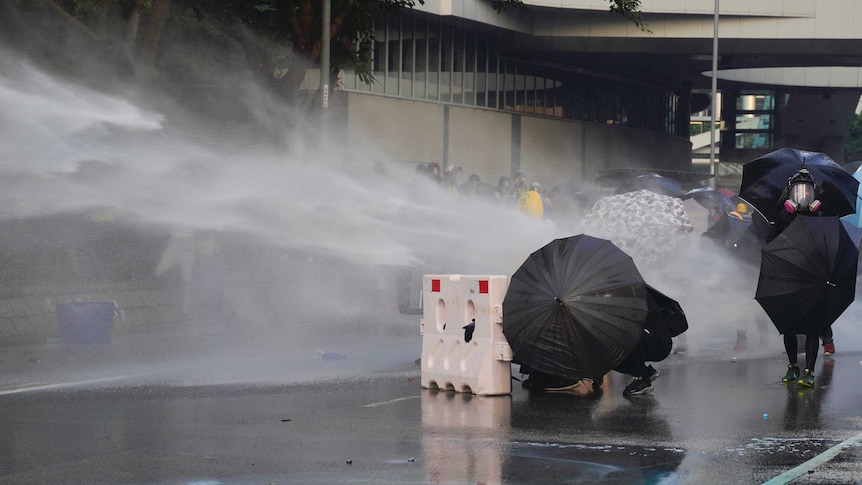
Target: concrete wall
x: 481, y: 142
x: 493, y: 143
x: 379, y: 123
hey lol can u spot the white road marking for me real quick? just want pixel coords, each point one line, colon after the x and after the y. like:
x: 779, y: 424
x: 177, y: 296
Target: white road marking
x: 383, y: 403
x: 813, y: 463
x: 62, y: 385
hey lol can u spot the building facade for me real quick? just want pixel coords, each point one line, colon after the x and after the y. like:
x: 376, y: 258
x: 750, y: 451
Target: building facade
x: 568, y: 89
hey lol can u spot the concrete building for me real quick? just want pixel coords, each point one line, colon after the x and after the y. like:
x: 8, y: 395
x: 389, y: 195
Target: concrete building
x: 567, y: 88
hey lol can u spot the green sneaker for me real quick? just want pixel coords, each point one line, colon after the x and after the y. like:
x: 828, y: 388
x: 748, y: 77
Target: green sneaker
x: 792, y: 374
x: 806, y: 379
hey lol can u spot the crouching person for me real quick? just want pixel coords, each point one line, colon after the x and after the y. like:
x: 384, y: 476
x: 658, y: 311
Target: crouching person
x: 664, y: 321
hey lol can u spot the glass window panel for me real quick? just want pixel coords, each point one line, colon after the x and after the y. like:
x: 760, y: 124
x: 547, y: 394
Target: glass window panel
x: 542, y: 92
x: 753, y: 122
x: 528, y: 92
x: 751, y: 140
x: 481, y: 83
x: 458, y: 63
x: 407, y: 58
x: 446, y: 61
x: 517, y: 86
x: 419, y: 84
x: 470, y: 67
x: 393, y: 54
x: 494, y: 81
x: 379, y: 54
x: 759, y: 100
x: 433, y: 82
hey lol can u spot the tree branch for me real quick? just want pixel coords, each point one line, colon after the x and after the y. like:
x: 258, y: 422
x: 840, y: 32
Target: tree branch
x: 70, y: 19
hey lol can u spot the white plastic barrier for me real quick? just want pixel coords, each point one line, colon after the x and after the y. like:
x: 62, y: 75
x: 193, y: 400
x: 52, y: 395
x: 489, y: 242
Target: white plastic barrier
x: 480, y: 366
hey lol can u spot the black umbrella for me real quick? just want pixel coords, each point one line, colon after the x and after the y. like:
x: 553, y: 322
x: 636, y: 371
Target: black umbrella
x: 710, y: 198
x: 808, y: 275
x: 572, y: 198
x: 575, y: 308
x: 737, y: 236
x: 764, y: 182
x: 653, y: 182
x: 854, y: 232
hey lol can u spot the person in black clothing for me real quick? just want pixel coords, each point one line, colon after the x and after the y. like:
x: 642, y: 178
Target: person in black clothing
x: 800, y: 199
x: 654, y: 346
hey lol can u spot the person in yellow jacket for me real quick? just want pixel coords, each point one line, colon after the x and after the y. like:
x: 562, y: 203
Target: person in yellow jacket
x: 533, y: 202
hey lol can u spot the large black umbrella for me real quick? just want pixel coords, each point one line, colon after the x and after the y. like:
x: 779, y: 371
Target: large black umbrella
x: 764, y: 182
x: 575, y: 308
x: 710, y: 198
x: 808, y: 275
x: 738, y: 237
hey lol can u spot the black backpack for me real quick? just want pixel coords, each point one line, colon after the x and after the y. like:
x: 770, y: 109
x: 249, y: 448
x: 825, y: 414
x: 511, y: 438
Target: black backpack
x: 669, y: 310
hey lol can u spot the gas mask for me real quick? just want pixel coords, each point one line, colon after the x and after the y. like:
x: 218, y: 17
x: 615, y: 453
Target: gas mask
x: 800, y: 189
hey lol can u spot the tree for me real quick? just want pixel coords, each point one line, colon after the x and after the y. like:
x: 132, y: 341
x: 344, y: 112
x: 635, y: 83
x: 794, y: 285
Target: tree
x: 264, y: 29
x: 853, y: 141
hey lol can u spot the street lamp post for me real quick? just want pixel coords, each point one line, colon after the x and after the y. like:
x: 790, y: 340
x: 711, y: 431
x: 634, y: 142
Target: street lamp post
x: 712, y: 167
x: 324, y: 53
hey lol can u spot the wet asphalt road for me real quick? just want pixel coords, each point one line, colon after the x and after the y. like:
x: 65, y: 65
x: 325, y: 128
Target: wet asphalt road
x: 134, y: 413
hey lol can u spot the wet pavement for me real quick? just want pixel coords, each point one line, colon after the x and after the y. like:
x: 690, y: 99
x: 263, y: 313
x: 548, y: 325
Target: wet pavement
x: 134, y: 412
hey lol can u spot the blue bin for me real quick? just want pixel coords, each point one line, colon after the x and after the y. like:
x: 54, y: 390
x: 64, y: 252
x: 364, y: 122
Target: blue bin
x: 86, y: 322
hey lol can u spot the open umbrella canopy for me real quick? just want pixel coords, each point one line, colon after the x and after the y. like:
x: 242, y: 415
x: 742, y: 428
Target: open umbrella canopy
x: 572, y: 198
x: 853, y: 231
x: 764, y: 182
x: 856, y: 218
x: 808, y: 275
x: 738, y: 237
x: 710, y: 198
x: 652, y: 182
x: 646, y: 225
x: 575, y: 308
x: 852, y: 167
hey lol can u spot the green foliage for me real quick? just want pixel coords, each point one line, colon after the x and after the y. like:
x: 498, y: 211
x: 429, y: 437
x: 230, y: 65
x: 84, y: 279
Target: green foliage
x: 630, y: 9
x: 853, y: 141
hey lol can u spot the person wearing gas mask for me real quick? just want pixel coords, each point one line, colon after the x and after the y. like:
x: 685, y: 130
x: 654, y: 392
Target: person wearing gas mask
x: 801, y: 199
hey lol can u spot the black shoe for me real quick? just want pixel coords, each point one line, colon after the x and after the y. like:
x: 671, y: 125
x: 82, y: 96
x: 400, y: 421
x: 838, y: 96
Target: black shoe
x: 653, y: 373
x: 637, y: 387
x: 792, y: 374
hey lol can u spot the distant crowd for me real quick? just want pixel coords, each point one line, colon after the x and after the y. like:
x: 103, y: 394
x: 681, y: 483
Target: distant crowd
x: 528, y: 197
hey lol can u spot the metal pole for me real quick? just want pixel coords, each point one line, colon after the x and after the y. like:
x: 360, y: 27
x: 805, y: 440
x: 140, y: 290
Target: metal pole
x: 712, y: 167
x: 324, y: 53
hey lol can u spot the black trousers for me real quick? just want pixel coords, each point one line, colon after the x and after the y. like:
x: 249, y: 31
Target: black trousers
x: 652, y: 347
x: 812, y: 346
